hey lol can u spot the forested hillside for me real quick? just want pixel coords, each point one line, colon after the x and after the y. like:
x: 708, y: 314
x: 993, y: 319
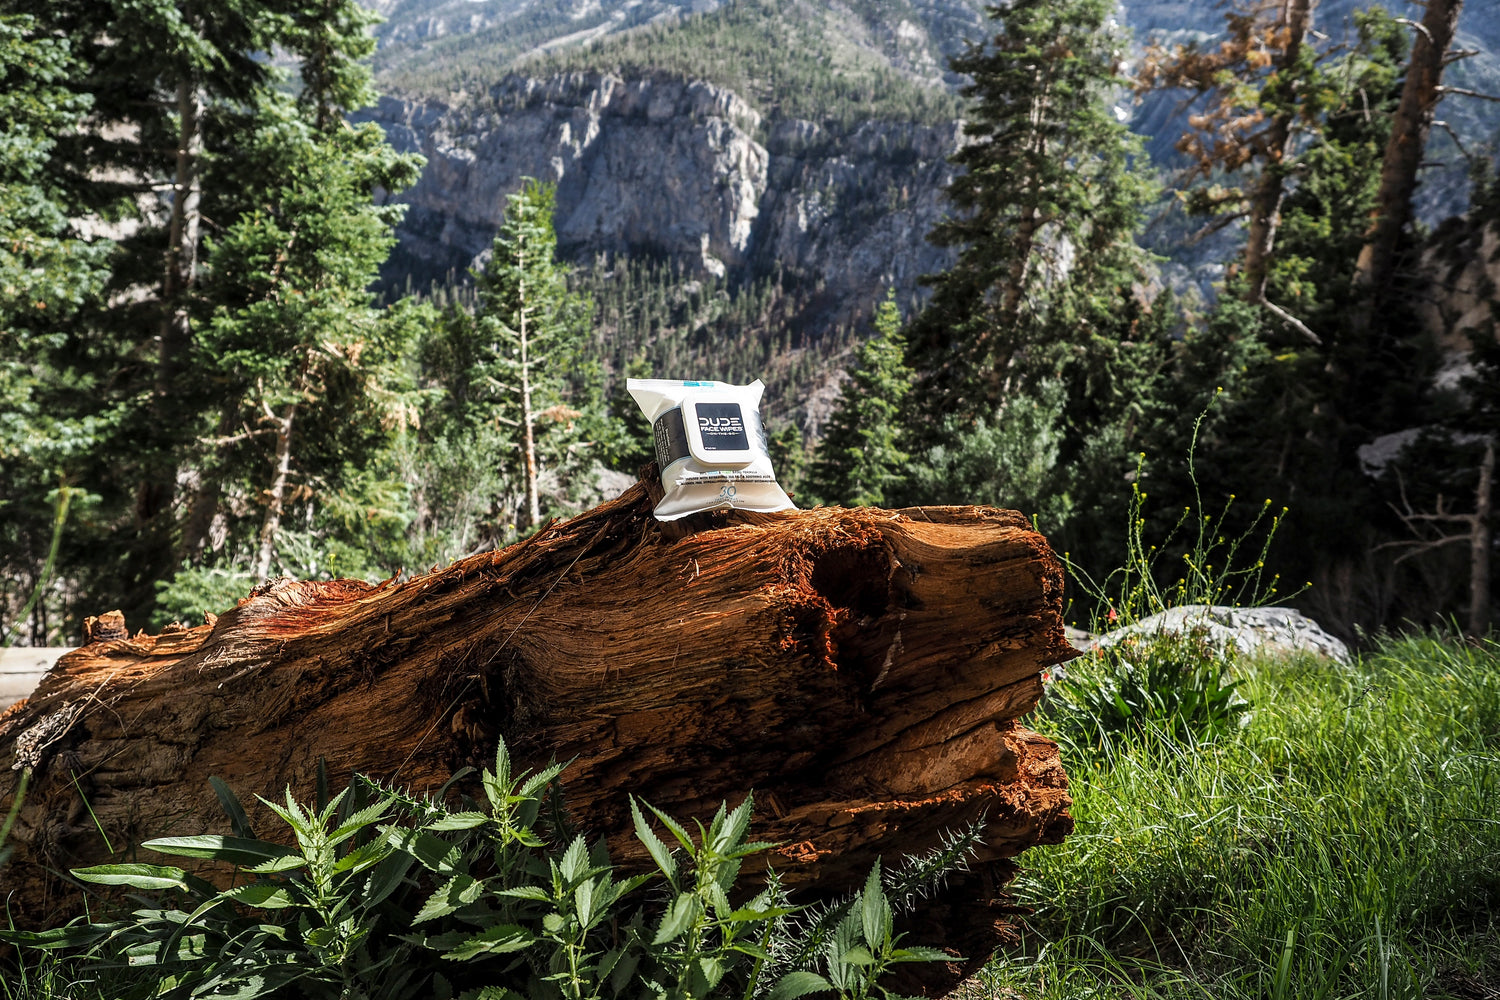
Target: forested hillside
x: 257, y: 318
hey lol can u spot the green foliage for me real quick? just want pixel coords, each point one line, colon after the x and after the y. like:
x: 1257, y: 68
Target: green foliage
x: 508, y: 363
x: 1046, y: 207
x: 153, y: 369
x: 64, y: 497
x: 654, y: 317
x: 309, y: 914
x: 1040, y: 356
x: 860, y: 460
x: 859, y: 951
x: 1341, y: 844
x: 48, y: 422
x: 1171, y: 682
x: 789, y: 457
x: 200, y: 590
x: 387, y: 895
x: 310, y: 368
x: 1211, y: 563
x: 1007, y: 460
x: 156, y: 78
x: 1294, y: 413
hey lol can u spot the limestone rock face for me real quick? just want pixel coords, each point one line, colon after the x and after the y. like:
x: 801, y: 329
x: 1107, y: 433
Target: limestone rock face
x: 666, y: 166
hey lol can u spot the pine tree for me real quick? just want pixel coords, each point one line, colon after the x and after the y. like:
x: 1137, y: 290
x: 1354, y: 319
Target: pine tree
x: 1046, y: 208
x: 527, y: 335
x: 317, y: 372
x: 47, y: 273
x: 161, y: 77
x: 860, y: 457
x: 1263, y: 92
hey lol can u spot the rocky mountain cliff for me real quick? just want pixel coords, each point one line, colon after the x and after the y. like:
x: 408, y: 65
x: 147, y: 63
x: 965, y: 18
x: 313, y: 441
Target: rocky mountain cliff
x: 683, y: 169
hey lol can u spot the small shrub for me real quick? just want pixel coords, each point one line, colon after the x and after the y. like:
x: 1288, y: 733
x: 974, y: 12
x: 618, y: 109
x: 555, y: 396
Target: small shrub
x: 1174, y: 681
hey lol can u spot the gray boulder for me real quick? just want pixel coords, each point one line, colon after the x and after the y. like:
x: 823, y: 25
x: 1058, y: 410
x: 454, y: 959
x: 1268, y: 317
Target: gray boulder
x: 1253, y: 630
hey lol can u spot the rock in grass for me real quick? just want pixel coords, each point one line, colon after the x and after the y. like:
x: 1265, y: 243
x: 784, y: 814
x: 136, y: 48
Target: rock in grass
x: 1253, y: 630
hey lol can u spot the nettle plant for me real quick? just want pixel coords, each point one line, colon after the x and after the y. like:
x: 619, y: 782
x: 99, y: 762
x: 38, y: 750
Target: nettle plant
x: 384, y: 895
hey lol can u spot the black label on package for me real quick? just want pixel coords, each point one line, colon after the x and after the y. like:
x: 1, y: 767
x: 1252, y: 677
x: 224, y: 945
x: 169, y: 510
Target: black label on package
x: 671, y: 437
x: 721, y: 426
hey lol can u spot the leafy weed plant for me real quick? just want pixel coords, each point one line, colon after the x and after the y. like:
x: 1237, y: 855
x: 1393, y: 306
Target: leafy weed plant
x: 385, y: 895
x: 1174, y: 681
x: 1171, y: 683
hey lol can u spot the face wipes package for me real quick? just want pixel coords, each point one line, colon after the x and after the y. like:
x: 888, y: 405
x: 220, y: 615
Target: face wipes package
x: 710, y: 446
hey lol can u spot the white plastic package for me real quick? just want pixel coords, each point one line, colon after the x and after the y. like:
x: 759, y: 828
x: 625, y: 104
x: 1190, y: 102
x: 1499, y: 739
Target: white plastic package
x: 710, y: 446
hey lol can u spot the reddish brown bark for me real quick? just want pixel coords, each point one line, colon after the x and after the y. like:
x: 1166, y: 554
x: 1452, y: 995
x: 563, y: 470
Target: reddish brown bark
x: 861, y: 670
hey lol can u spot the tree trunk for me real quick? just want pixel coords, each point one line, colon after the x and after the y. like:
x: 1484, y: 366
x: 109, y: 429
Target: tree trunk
x: 205, y: 495
x: 153, y: 554
x: 1030, y: 223
x: 281, y: 466
x: 528, y: 424
x: 1479, y: 546
x: 1270, y: 189
x: 861, y: 670
x: 182, y: 243
x: 1404, y: 148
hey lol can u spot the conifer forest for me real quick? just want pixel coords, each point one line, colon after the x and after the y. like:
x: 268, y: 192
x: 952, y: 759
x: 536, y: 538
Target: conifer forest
x: 1073, y: 318
x: 1244, y: 268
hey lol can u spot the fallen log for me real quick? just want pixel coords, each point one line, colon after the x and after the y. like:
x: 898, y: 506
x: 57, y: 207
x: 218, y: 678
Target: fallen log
x: 860, y: 670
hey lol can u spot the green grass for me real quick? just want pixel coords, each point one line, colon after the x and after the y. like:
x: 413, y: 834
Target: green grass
x: 1346, y: 843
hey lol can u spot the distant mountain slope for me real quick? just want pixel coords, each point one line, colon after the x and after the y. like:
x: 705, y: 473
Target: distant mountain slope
x: 429, y: 39
x: 839, y: 64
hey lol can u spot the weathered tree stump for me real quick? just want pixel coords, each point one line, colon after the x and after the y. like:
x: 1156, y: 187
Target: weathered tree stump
x: 860, y: 670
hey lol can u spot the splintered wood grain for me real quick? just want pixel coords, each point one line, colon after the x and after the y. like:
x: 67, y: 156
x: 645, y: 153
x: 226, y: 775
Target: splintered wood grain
x: 860, y: 670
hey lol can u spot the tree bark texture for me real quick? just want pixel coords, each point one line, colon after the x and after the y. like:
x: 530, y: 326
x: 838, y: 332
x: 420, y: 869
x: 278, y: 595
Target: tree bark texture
x: 1270, y: 188
x: 1404, y: 147
x: 861, y: 670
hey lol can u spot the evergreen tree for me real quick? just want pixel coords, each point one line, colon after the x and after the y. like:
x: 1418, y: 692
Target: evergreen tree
x: 48, y: 421
x: 313, y: 377
x: 789, y: 458
x: 1037, y: 351
x: 860, y: 458
x: 1047, y: 205
x: 524, y: 340
x: 162, y: 77
x: 1300, y: 399
x: 631, y: 445
x: 1263, y: 93
x: 318, y: 371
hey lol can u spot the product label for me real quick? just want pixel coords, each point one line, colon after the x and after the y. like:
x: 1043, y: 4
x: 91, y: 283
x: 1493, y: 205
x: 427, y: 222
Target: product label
x: 671, y: 437
x: 721, y: 427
